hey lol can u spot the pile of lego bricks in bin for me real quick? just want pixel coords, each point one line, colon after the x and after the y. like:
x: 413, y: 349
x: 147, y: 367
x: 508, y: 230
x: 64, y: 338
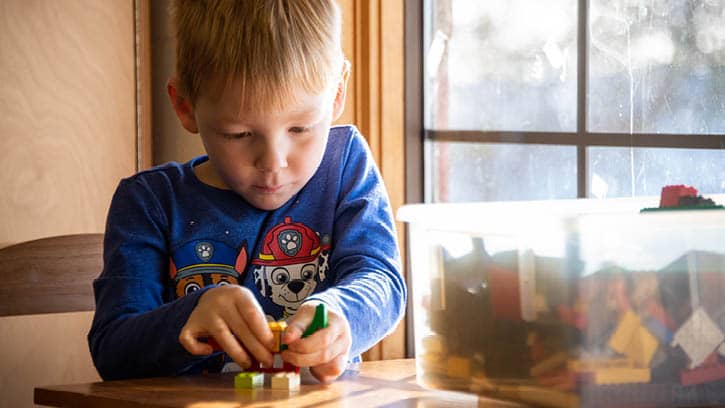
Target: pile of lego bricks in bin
x: 613, y: 338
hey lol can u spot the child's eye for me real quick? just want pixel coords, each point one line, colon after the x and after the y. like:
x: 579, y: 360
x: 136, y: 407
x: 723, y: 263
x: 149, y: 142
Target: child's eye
x: 298, y: 129
x: 239, y: 135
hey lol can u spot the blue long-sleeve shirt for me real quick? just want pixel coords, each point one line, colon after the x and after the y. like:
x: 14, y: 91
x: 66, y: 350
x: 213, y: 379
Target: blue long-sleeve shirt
x: 169, y: 237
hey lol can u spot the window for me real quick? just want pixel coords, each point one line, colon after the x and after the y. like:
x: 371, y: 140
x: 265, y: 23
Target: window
x: 532, y: 99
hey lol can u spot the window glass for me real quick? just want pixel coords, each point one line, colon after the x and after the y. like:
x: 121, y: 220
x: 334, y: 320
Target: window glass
x: 657, y: 66
x: 501, y: 65
x: 653, y: 66
x: 626, y: 172
x: 465, y: 172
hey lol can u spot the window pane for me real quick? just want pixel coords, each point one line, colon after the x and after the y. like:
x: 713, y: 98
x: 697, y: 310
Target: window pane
x: 657, y: 66
x: 625, y: 172
x: 464, y: 172
x: 501, y: 65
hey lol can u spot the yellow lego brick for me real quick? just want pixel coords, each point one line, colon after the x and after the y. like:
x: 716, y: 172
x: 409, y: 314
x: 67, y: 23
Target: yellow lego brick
x: 621, y: 375
x: 433, y: 363
x: 278, y: 329
x: 459, y: 367
x: 549, y: 397
x: 550, y: 363
x: 481, y: 384
x: 634, y: 340
x: 591, y: 364
x: 624, y: 332
x: 433, y: 344
x: 537, y: 395
x: 642, y: 347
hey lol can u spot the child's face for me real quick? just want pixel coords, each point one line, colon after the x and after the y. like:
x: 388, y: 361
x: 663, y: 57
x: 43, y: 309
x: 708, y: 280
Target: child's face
x: 265, y: 157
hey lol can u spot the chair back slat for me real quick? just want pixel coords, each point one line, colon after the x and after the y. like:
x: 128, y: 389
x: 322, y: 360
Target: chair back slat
x: 50, y: 275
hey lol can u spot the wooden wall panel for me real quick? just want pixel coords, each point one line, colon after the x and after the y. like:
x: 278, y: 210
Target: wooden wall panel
x: 347, y: 7
x: 68, y: 134
x: 171, y: 141
x: 47, y: 349
x: 67, y: 101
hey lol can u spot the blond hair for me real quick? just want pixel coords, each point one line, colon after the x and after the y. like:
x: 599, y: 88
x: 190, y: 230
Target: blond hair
x: 270, y: 48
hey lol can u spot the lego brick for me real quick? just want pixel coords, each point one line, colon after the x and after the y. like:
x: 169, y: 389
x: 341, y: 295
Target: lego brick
x: 481, y: 384
x: 698, y: 337
x: 670, y: 195
x: 458, y: 367
x: 285, y: 381
x: 624, y: 332
x: 538, y: 396
x: 548, y: 364
x: 591, y: 364
x: 703, y: 375
x: 278, y: 365
x: 318, y: 322
x: 621, y: 375
x: 659, y: 330
x: 643, y: 347
x: 504, y: 293
x: 278, y: 329
x: 433, y: 344
x: 655, y: 310
x: 563, y: 379
x: 634, y: 340
x: 249, y: 380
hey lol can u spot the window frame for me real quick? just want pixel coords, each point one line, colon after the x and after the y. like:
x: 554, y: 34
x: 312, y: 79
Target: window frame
x: 417, y: 135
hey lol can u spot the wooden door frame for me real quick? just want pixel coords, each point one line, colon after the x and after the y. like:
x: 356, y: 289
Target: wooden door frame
x: 379, y: 96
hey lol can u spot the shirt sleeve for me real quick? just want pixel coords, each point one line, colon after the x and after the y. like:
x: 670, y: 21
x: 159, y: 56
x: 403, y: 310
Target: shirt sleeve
x: 368, y: 287
x: 134, y: 332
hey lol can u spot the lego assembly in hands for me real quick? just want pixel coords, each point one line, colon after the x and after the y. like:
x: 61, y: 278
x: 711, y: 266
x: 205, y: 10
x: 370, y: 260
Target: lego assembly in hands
x: 282, y: 375
x: 612, y: 338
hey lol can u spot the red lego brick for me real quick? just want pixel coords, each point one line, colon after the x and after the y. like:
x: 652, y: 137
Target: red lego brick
x: 703, y: 375
x: 504, y: 293
x: 670, y: 196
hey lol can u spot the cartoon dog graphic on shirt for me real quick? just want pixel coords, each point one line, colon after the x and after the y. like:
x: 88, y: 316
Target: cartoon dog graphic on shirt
x: 201, y: 263
x: 292, y: 260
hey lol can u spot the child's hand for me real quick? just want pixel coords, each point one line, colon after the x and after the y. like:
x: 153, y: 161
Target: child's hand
x: 230, y: 314
x: 325, y: 351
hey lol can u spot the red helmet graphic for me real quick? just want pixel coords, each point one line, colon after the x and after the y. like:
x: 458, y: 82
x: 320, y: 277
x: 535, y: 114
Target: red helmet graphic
x: 289, y: 243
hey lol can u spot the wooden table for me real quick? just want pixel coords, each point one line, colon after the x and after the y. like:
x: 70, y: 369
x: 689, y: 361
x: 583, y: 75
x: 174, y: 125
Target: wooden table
x: 389, y: 383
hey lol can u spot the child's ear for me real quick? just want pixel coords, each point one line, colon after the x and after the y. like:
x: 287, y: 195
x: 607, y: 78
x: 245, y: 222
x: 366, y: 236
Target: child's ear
x: 339, y: 104
x: 183, y: 108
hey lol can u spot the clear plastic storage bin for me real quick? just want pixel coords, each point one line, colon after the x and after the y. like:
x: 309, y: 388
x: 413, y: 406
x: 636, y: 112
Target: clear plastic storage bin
x: 570, y: 303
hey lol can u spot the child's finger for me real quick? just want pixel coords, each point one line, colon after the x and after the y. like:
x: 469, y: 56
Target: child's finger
x: 231, y: 346
x: 189, y: 339
x: 250, y: 341
x: 298, y: 323
x: 329, y: 371
x: 255, y: 322
x: 315, y: 350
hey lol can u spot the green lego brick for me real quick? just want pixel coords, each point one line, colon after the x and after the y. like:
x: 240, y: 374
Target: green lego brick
x: 251, y: 379
x: 319, y: 321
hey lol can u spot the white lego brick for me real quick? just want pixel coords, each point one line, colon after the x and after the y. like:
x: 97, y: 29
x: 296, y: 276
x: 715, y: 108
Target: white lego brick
x: 698, y: 337
x: 285, y: 381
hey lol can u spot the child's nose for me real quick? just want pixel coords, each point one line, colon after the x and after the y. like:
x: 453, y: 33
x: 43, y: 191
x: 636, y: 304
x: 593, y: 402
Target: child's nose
x: 272, y: 157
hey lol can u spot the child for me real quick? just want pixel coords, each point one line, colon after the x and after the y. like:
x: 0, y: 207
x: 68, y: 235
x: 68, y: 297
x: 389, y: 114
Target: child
x: 284, y: 212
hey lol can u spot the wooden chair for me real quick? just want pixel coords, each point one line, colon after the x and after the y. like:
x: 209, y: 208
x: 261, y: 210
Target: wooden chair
x: 46, y: 308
